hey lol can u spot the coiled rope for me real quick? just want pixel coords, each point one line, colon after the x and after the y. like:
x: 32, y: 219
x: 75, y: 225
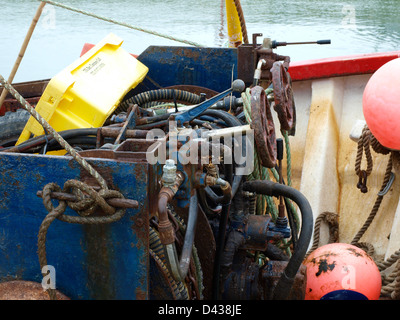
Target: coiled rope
x: 391, y: 281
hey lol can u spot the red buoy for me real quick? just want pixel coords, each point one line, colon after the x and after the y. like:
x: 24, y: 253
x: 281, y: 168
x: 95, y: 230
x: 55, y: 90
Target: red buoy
x: 381, y: 104
x: 341, y: 271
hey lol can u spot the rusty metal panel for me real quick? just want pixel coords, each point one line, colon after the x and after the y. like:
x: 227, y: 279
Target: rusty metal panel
x: 212, y: 68
x: 91, y: 261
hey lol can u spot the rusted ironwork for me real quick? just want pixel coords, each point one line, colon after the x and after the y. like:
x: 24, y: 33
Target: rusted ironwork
x: 243, y: 282
x: 283, y: 96
x: 271, y: 274
x: 264, y: 128
x: 31, y: 91
x: 250, y: 54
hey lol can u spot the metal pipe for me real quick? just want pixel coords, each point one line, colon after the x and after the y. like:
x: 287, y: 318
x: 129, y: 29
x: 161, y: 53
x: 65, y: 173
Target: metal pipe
x: 189, y: 237
x: 225, y: 188
x: 270, y: 188
x: 179, y: 267
x: 166, y: 230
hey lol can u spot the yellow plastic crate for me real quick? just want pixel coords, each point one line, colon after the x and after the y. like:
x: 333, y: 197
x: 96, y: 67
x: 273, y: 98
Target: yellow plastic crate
x: 88, y: 91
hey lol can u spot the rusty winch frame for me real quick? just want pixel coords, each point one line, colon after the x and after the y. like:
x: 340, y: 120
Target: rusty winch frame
x: 196, y: 232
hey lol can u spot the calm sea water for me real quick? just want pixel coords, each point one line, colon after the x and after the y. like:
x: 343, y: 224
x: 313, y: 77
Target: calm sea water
x: 354, y: 27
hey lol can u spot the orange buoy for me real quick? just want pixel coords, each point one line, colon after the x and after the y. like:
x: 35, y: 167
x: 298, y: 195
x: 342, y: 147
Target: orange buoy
x: 341, y: 271
x: 381, y: 104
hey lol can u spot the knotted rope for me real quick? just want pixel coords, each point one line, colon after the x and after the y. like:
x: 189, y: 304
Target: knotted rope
x: 85, y: 208
x: 363, y: 147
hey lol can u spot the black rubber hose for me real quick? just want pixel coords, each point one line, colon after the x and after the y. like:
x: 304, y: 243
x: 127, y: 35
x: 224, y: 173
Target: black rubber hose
x: 40, y: 140
x: 231, y: 121
x: 266, y: 187
x: 223, y: 222
x: 160, y: 94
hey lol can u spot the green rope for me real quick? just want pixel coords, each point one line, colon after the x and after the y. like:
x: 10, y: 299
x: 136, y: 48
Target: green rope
x: 121, y: 23
x: 261, y: 172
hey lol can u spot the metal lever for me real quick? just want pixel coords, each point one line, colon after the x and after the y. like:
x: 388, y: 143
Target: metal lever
x: 186, y: 116
x: 275, y: 43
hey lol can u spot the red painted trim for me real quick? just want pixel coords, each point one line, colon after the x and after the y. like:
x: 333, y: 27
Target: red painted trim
x: 88, y: 46
x: 328, y: 67
x: 340, y: 66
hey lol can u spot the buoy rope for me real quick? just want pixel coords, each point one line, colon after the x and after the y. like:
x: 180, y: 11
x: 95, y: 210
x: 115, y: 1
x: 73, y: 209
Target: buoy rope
x: 332, y: 219
x: 363, y: 146
x: 391, y: 281
x: 377, y: 203
x: 124, y: 24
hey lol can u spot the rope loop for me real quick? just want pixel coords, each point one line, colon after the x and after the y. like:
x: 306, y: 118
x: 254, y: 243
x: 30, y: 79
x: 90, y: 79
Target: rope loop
x: 88, y: 201
x: 363, y: 147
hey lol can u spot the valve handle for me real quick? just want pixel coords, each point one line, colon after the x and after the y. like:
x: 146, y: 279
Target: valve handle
x: 186, y: 116
x: 275, y: 43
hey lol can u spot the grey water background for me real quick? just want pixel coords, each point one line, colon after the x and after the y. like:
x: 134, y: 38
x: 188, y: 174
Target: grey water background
x: 354, y: 27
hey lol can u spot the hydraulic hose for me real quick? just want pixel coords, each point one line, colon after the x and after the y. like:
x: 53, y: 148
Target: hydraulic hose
x: 179, y: 267
x: 223, y: 223
x: 160, y: 94
x: 266, y: 187
x: 40, y: 140
x: 189, y: 237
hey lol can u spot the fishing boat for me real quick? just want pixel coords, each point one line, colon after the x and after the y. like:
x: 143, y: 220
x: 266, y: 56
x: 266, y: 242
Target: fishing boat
x: 102, y: 196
